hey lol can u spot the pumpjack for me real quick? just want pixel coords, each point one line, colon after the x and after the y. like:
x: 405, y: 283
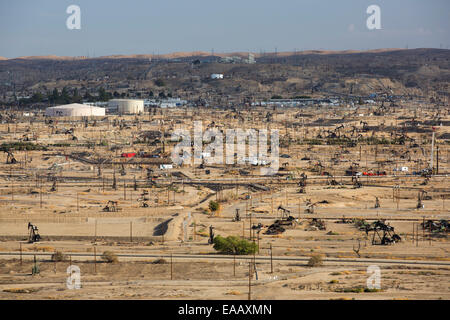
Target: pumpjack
x: 122, y: 171
x: 112, y: 206
x: 10, y: 159
x: 382, y: 233
x: 310, y: 206
x: 143, y: 199
x: 54, y: 187
x: 302, y: 182
x: 33, y: 234
x: 286, y: 219
x: 422, y: 195
x: 284, y: 212
x: 356, y: 182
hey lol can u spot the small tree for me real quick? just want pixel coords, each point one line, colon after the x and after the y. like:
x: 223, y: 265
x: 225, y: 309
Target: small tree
x: 234, y: 245
x: 162, y: 95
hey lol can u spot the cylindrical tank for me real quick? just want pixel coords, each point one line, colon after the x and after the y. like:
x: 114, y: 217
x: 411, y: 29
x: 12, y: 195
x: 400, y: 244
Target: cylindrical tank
x: 74, y: 110
x: 127, y: 106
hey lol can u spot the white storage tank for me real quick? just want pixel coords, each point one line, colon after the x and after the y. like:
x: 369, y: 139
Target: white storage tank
x: 74, y: 110
x: 127, y: 106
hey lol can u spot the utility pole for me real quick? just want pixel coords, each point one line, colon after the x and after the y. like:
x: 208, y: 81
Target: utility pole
x: 271, y: 259
x: 12, y: 188
x: 271, y: 198
x: 249, y: 281
x: 95, y: 260
x: 171, y: 267
x: 417, y: 234
x: 437, y: 160
x: 131, y: 231
x: 285, y: 196
x: 194, y: 237
x: 251, y: 236
x: 234, y: 264
x: 432, y: 151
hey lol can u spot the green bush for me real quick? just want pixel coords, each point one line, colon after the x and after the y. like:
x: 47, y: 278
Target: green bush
x: 213, y: 206
x: 357, y: 289
x: 21, y: 146
x: 234, y: 245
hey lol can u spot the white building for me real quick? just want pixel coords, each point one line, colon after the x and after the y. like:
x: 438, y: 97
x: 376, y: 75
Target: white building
x: 127, y: 106
x: 165, y: 103
x: 74, y: 110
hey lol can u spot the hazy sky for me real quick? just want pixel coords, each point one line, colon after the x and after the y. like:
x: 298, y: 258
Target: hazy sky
x: 162, y: 26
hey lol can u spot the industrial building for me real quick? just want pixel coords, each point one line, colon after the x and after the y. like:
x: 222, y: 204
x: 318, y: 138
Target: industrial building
x: 74, y: 110
x: 127, y: 106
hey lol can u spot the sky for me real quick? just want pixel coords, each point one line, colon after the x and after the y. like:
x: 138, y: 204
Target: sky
x: 38, y: 27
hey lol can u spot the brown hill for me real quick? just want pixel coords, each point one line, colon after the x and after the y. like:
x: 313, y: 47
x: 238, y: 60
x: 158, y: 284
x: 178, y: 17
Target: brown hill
x: 182, y: 54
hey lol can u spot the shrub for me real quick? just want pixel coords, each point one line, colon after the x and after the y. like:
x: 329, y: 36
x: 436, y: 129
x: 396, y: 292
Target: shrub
x: 234, y: 245
x: 160, y: 82
x: 110, y: 257
x: 21, y: 146
x: 159, y: 261
x: 334, y: 281
x: 58, y: 256
x: 315, y: 261
x: 213, y: 206
x: 358, y: 289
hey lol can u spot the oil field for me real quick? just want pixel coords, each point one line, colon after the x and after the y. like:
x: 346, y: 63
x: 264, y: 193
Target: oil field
x: 361, y: 191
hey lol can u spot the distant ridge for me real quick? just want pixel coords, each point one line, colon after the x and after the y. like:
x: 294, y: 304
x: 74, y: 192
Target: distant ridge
x: 175, y: 55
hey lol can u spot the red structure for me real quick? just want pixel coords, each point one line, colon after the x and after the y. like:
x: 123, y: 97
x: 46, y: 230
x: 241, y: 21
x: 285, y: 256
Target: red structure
x: 128, y: 155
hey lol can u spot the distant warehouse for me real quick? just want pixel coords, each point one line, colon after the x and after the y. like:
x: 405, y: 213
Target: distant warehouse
x: 127, y: 106
x: 74, y: 110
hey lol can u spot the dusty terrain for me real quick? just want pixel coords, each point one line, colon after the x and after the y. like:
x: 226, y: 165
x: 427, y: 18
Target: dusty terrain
x: 70, y: 218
